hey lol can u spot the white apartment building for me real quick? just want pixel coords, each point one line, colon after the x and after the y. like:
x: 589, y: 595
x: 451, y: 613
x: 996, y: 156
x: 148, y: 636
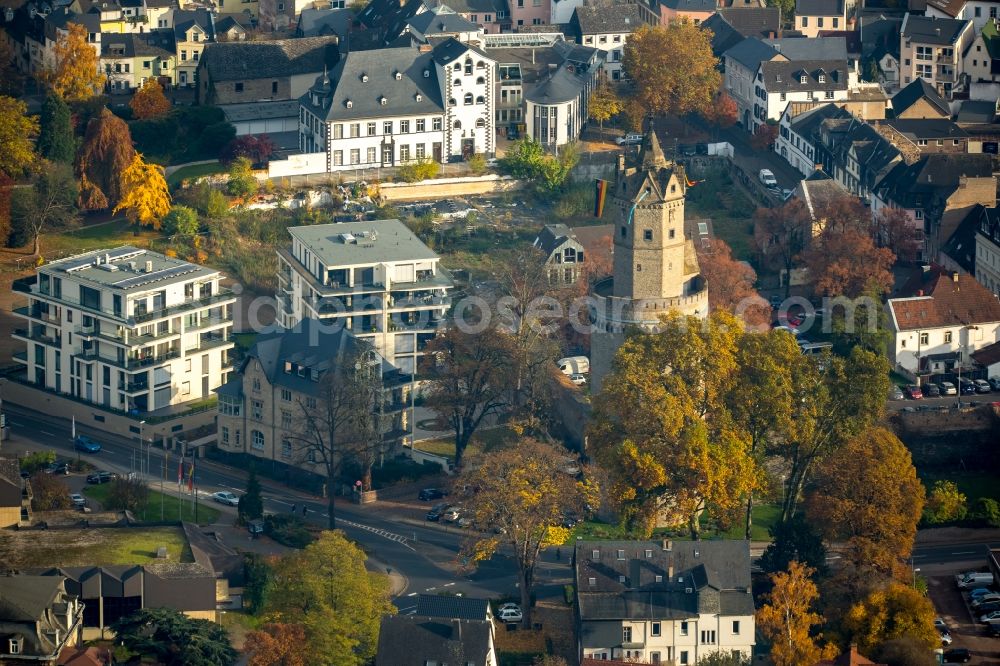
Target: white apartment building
x: 742, y: 65
x: 931, y: 48
x: 977, y: 11
x: 663, y: 602
x: 126, y: 329
x: 377, y: 279
x: 392, y: 106
x: 608, y: 29
x: 780, y: 83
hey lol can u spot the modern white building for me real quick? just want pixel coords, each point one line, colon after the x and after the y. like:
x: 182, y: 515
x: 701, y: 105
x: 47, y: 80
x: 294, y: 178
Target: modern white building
x: 377, y: 279
x: 127, y: 329
x: 663, y: 602
x: 947, y: 317
x: 780, y: 83
x: 392, y: 106
x: 932, y: 48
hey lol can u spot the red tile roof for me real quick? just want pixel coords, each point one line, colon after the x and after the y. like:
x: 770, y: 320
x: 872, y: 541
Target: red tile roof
x: 849, y: 658
x: 939, y: 299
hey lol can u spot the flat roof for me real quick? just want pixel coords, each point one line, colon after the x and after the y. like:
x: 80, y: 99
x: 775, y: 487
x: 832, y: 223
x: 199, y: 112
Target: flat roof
x: 362, y: 243
x: 128, y: 269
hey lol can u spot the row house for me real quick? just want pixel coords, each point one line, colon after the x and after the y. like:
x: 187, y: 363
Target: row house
x: 981, y: 63
x: 668, y: 602
x: 730, y: 26
x: 375, y: 279
x: 815, y: 16
x: 129, y: 59
x: 978, y: 11
x: 780, y: 83
x: 919, y: 100
x: 932, y: 49
x: 798, y: 135
x: 127, y: 329
x: 742, y: 65
x: 607, y: 29
x: 692, y: 11
x: 193, y: 29
x: 933, y: 135
x: 854, y: 154
x: 387, y: 19
x: 388, y: 107
x: 290, y: 376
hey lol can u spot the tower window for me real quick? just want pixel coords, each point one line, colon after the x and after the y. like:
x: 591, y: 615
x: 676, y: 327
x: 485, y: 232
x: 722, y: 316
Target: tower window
x: 647, y: 234
x: 624, y: 231
x: 673, y: 188
x: 671, y: 233
x: 638, y: 268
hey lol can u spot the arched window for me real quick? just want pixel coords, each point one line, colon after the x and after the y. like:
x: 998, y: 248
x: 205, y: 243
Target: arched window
x: 457, y: 67
x: 480, y: 123
x: 468, y: 65
x: 457, y: 125
x: 257, y: 440
x: 480, y: 80
x: 480, y: 100
x: 480, y: 65
x: 468, y: 98
x: 456, y: 82
x: 452, y: 102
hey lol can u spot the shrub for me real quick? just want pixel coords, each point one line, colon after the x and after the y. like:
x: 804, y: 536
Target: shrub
x: 477, y: 164
x: 944, y: 504
x: 127, y: 494
x: 38, y: 460
x: 288, y: 530
x: 242, y: 182
x: 181, y: 221
x: 424, y: 169
x: 214, y: 138
x: 49, y: 493
x: 987, y: 510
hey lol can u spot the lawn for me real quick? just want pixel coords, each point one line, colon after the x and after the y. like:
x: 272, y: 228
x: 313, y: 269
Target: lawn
x: 91, y: 546
x: 173, y: 508
x: 731, y: 213
x: 97, y: 236
x: 483, y: 441
x: 193, y: 171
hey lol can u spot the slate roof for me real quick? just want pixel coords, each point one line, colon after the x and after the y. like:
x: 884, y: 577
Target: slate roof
x: 413, y: 94
x: 185, y: 18
x: 813, y: 48
x: 880, y: 35
x: 947, y: 301
x: 449, y: 607
x: 226, y: 22
x: 662, y: 580
x: 440, y: 20
x: 622, y: 18
x: 932, y: 30
x: 915, y: 91
x: 690, y: 5
x: 552, y: 236
x: 819, y: 7
x: 752, y: 20
x: 784, y: 76
x: 413, y: 640
x: 751, y: 52
x: 560, y: 86
x: 10, y: 470
x: 952, y: 8
x: 932, y: 178
x: 315, y: 22
x: 961, y: 245
x: 243, y: 60
x: 389, y: 17
x: 977, y: 112
x: 927, y: 129
x: 157, y: 43
x: 807, y: 124
x: 26, y: 598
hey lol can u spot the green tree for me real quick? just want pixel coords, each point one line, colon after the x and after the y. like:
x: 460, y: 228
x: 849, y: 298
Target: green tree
x: 945, y: 503
x: 527, y: 160
x: 327, y: 589
x: 36, y: 461
x: 878, y: 528
x: 55, y: 140
x: 251, y: 506
x: 181, y: 221
x: 422, y: 169
x: 242, y: 182
x: 17, y: 129
x: 477, y: 164
x: 794, y: 541
x: 521, y: 499
x: 720, y: 658
x: 889, y: 613
x: 787, y: 619
x: 174, y: 639
x: 987, y: 510
x: 49, y: 205
x: 673, y: 68
x: 257, y: 581
x: 605, y: 104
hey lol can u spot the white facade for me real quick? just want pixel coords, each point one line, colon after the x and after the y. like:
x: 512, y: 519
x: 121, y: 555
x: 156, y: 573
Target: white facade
x: 378, y: 142
x: 127, y: 329
x: 339, y: 274
x: 613, y: 45
x: 910, y: 345
x: 740, y: 86
x: 795, y: 149
x: 553, y: 124
x: 977, y: 11
x: 678, y: 641
x: 467, y: 87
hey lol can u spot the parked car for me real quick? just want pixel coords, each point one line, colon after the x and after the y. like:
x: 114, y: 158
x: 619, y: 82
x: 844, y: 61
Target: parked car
x: 767, y: 178
x: 226, y: 497
x: 629, y: 140
x: 86, y: 444
x: 78, y: 500
x: 255, y: 527
x: 428, y: 494
x: 947, y: 388
x: 510, y: 615
x: 913, y: 392
x: 58, y: 467
x: 930, y: 390
x: 896, y: 393
x: 957, y: 656
x: 966, y: 387
x: 985, y: 599
x: 452, y: 514
x: 790, y: 329
x: 973, y: 579
x: 945, y: 637
x: 101, y: 476
x: 988, y: 607
x: 995, y: 383
x: 993, y: 629
x: 990, y: 617
x: 434, y: 515
x: 940, y: 624
x: 982, y: 386
x: 578, y: 379
x: 465, y: 522
x: 979, y: 592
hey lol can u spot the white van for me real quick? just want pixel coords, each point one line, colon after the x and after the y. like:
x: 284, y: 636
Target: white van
x: 574, y: 365
x: 815, y: 348
x: 974, y: 579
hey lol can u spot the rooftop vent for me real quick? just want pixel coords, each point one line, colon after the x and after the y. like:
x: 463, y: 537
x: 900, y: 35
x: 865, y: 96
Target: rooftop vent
x: 427, y: 73
x: 399, y: 75
x: 419, y: 97
x: 349, y: 104
x: 348, y: 239
x: 149, y: 266
x: 364, y: 78
x: 383, y: 101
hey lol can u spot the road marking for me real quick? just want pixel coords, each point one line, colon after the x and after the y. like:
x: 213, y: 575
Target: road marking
x: 448, y: 584
x: 412, y: 594
x: 14, y: 423
x: 391, y: 536
x: 430, y: 589
x: 43, y: 432
x: 964, y: 552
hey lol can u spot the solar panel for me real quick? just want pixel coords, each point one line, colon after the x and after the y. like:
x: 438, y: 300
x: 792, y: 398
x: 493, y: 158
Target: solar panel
x: 156, y: 276
x: 84, y: 260
x: 126, y: 252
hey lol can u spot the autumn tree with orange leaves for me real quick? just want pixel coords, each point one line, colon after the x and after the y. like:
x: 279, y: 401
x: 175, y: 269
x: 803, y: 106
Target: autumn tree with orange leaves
x: 787, y: 619
x: 731, y: 283
x: 76, y: 76
x: 105, y: 153
x: 277, y: 644
x: 149, y: 101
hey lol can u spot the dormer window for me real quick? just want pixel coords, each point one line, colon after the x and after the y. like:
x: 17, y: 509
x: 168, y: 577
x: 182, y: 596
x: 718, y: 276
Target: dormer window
x: 399, y: 75
x: 419, y: 97
x: 349, y: 104
x: 364, y: 78
x: 383, y: 101
x: 427, y: 73
x: 822, y: 78
x: 15, y: 646
x: 802, y: 79
x: 777, y: 77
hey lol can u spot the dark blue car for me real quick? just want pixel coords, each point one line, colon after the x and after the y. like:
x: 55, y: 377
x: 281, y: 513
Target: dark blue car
x: 86, y: 444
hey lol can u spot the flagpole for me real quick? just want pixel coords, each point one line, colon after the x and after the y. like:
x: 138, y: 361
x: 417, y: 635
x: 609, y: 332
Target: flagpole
x: 163, y: 476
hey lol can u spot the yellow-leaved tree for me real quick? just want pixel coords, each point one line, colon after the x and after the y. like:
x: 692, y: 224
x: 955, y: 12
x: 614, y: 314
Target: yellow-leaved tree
x: 519, y: 497
x: 145, y: 197
x: 17, y: 130
x: 893, y: 612
x: 76, y: 76
x: 787, y: 619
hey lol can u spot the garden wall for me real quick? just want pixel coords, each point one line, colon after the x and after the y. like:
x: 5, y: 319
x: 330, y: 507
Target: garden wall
x: 444, y: 188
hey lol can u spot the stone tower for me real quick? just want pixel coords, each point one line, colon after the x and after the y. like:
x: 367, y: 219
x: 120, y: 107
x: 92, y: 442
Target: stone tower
x: 655, y: 264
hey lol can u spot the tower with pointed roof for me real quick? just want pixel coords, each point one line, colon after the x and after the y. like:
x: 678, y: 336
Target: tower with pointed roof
x: 655, y: 263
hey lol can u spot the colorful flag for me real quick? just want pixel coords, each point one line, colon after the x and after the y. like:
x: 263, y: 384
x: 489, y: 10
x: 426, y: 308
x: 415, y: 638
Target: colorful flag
x: 191, y: 477
x: 600, y: 194
x: 692, y: 183
x: 180, y: 471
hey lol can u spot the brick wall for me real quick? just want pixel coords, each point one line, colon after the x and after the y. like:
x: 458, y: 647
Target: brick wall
x: 254, y: 90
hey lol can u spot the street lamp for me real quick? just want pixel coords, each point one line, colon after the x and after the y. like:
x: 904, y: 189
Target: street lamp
x: 915, y: 572
x: 141, y: 424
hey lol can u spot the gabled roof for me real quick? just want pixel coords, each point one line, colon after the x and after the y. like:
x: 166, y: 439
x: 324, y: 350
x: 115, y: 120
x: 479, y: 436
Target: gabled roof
x: 932, y: 30
x: 751, y: 52
x: 880, y: 35
x: 450, y: 607
x: 690, y: 5
x: 26, y: 598
x: 819, y: 7
x: 804, y: 75
x: 915, y: 91
x: 961, y: 245
x: 185, y: 18
x: 818, y: 193
x: 389, y: 17
x: 552, y: 236
x: 724, y: 34
x: 977, y: 112
x: 952, y: 8
x: 807, y: 124
x: 813, y: 48
x: 243, y: 60
x: 315, y: 22
x: 227, y: 22
x: 413, y: 640
x: 619, y: 18
x: 932, y: 178
x: 440, y: 20
x: 927, y: 128
x: 156, y: 43
x: 988, y: 355
x: 948, y: 300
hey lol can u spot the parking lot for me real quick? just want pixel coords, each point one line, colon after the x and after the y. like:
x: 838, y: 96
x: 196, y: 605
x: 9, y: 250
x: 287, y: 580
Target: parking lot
x: 952, y: 605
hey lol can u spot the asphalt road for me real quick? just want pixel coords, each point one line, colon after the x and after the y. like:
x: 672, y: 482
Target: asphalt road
x: 955, y: 552
x: 427, y: 556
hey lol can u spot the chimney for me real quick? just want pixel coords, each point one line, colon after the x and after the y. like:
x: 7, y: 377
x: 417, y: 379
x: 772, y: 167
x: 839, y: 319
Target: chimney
x: 920, y: 292
x: 670, y: 571
x: 107, y: 258
x: 954, y: 277
x: 149, y: 266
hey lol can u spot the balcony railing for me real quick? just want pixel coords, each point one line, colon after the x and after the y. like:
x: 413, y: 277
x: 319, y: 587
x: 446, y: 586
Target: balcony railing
x: 223, y: 295
x: 36, y: 337
x: 20, y: 357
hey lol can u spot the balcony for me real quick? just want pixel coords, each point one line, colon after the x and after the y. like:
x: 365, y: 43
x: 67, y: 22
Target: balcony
x: 31, y: 312
x: 208, y: 322
x: 213, y: 342
x: 224, y: 295
x: 35, y: 336
x: 133, y: 388
x: 20, y: 357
